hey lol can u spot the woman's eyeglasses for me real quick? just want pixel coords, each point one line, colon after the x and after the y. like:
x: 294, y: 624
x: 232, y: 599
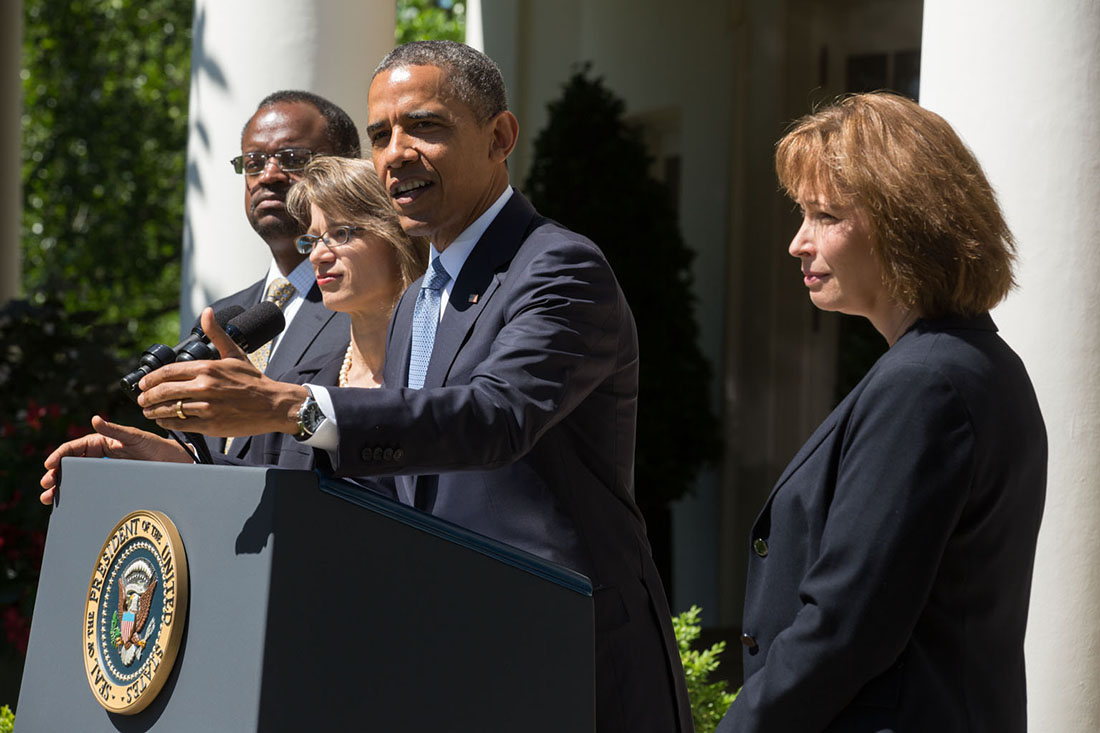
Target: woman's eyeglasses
x: 333, y: 238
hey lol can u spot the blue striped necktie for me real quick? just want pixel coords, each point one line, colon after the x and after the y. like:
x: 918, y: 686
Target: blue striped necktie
x: 425, y: 322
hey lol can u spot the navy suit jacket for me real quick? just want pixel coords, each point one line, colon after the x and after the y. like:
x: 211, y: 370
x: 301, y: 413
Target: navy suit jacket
x: 315, y: 333
x: 524, y: 432
x: 890, y: 569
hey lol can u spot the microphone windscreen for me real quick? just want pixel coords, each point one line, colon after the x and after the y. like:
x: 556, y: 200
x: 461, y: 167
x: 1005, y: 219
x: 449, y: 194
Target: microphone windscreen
x: 227, y: 314
x: 256, y: 326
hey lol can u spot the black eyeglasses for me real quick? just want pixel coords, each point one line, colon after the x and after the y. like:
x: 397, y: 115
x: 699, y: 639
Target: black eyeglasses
x: 289, y: 159
x: 337, y: 236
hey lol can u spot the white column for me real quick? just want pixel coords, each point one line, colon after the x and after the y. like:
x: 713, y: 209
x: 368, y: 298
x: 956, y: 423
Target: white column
x: 475, y: 35
x: 11, y: 102
x: 242, y: 51
x: 1020, y: 81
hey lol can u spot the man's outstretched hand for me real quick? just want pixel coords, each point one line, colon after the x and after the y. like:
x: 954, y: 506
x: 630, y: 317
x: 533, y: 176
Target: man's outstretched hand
x: 113, y: 441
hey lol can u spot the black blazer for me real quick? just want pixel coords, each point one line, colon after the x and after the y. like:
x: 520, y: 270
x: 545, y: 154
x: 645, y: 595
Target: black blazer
x: 315, y: 333
x: 524, y: 432
x: 890, y: 569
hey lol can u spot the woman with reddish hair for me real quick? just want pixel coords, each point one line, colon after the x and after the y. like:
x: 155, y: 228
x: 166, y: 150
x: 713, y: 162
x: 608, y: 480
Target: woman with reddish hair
x: 890, y: 569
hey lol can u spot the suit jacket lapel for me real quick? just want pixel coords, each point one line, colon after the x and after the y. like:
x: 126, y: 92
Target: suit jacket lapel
x: 478, y: 280
x: 310, y: 319
x: 480, y: 277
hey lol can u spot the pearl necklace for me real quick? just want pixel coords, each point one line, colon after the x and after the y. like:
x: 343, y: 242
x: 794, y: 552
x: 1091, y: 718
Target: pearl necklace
x: 345, y: 369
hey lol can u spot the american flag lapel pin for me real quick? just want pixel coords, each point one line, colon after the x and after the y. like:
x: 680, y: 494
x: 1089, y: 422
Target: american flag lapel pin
x: 473, y: 297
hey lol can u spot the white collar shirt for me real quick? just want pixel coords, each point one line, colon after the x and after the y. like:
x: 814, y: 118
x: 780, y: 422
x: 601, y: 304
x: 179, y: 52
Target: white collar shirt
x: 454, y: 257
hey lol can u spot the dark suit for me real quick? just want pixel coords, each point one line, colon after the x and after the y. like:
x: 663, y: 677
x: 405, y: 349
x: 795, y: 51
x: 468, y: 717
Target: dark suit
x: 524, y: 431
x: 890, y: 569
x: 314, y: 333
x: 285, y: 451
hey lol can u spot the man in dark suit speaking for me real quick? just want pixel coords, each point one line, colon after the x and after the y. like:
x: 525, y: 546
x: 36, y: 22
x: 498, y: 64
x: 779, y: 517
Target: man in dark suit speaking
x: 511, y: 377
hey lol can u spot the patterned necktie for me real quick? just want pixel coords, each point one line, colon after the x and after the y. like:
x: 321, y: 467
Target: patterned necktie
x: 425, y: 321
x: 278, y: 292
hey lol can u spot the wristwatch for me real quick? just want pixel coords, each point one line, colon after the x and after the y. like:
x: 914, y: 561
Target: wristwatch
x: 310, y: 417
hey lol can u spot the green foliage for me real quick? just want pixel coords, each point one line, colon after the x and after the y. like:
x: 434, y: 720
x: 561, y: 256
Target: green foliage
x: 709, y: 700
x: 430, y: 20
x: 57, y: 369
x: 105, y: 87
x: 591, y: 172
x: 7, y: 719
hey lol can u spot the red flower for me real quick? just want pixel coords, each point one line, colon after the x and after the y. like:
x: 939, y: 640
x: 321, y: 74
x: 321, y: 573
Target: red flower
x: 17, y: 630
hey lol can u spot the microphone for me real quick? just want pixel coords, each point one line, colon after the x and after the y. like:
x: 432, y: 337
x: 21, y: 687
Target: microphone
x: 158, y: 355
x: 256, y: 326
x: 249, y: 329
x: 197, y: 345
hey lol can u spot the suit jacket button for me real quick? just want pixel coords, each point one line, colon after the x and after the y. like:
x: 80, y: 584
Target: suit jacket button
x: 748, y: 642
x: 387, y: 455
x: 378, y: 453
x: 760, y: 547
x: 398, y: 454
x: 367, y: 454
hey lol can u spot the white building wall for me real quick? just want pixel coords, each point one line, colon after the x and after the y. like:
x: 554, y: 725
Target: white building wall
x: 243, y: 50
x: 1020, y: 81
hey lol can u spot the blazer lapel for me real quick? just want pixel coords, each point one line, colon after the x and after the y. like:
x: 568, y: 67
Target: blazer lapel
x: 818, y: 437
x: 475, y: 286
x: 478, y: 280
x: 310, y: 319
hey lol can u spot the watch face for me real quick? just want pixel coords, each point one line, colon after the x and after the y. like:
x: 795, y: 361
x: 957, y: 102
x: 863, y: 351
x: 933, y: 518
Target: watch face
x: 313, y: 417
x: 310, y: 416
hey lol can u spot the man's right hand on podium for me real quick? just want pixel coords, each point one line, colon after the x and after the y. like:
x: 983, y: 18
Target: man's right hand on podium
x: 110, y: 440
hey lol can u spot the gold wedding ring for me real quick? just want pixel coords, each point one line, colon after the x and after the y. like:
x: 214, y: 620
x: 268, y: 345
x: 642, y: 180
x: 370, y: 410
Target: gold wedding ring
x: 179, y: 410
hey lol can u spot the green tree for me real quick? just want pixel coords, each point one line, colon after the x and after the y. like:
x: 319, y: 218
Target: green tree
x: 430, y: 20
x: 104, y: 125
x: 105, y: 88
x: 591, y: 173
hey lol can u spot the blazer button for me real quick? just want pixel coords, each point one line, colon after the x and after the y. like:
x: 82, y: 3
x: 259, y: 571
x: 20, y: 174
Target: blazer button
x: 378, y: 453
x: 398, y: 454
x: 748, y: 642
x: 387, y: 455
x: 367, y: 454
x: 760, y: 547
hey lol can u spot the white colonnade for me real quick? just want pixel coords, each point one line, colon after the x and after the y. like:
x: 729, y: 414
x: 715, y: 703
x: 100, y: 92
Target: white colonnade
x: 1020, y: 81
x: 244, y: 50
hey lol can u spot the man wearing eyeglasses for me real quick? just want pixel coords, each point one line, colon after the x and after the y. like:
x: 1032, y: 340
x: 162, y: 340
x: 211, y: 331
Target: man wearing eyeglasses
x: 288, y: 129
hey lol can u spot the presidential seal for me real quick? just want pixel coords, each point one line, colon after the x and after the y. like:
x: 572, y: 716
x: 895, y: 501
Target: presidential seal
x: 134, y: 617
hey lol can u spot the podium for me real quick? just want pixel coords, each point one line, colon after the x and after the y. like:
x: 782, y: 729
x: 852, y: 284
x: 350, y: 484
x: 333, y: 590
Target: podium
x: 314, y: 605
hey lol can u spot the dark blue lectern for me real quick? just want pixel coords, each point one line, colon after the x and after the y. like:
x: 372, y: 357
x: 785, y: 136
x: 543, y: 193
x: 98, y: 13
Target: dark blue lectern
x: 315, y: 607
